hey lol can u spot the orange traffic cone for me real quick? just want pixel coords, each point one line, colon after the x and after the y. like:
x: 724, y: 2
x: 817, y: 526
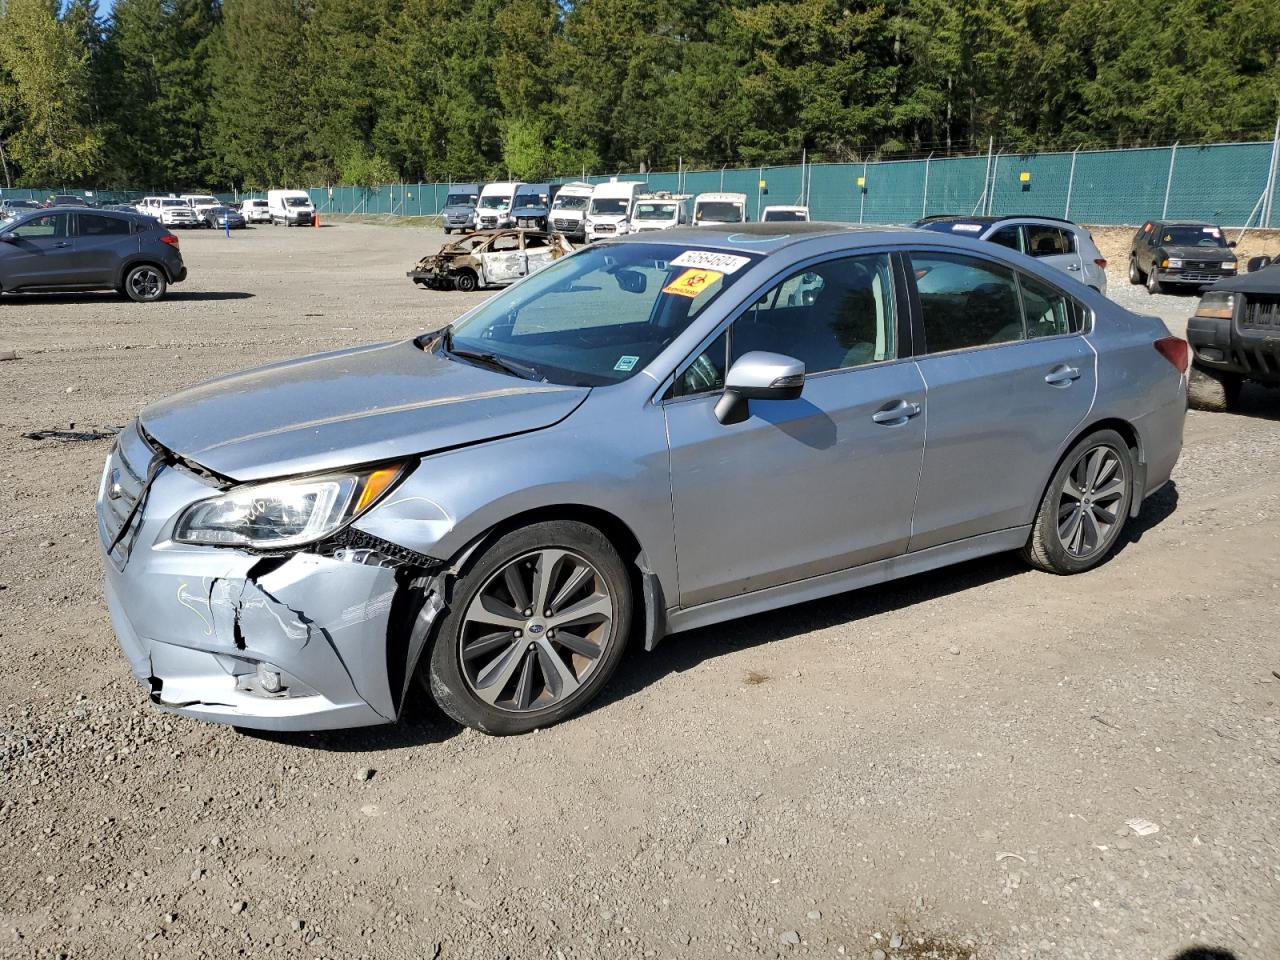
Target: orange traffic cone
x: 315, y: 219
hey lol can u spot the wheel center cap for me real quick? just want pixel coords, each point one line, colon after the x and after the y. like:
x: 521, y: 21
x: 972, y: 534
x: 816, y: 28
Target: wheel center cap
x: 535, y: 628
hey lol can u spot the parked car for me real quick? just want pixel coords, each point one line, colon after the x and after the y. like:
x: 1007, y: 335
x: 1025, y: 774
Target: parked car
x: 486, y: 514
x: 150, y: 206
x: 612, y: 203
x: 223, y: 218
x: 9, y: 208
x: 1165, y: 254
x: 488, y: 259
x: 1059, y: 243
x: 779, y: 213
x: 200, y: 202
x: 176, y: 212
x: 459, y: 211
x: 531, y: 206
x: 569, y: 209
x: 65, y: 200
x: 659, y: 211
x: 293, y: 208
x: 255, y: 210
x: 712, y: 208
x: 493, y: 209
x: 79, y: 248
x: 1235, y: 336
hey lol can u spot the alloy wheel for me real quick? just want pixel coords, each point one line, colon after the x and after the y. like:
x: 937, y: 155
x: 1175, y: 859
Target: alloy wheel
x: 536, y: 630
x: 1091, y: 500
x: 145, y: 283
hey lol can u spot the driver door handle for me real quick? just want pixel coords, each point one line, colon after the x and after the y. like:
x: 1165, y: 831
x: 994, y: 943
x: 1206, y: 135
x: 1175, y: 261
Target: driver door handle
x: 62, y: 243
x: 896, y: 413
x: 1062, y: 376
x: 1073, y: 266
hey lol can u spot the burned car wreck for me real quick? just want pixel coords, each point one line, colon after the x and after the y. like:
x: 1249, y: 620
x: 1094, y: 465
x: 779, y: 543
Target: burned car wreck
x: 488, y: 259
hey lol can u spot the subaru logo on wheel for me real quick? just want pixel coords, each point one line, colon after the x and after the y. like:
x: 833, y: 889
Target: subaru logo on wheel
x: 535, y: 628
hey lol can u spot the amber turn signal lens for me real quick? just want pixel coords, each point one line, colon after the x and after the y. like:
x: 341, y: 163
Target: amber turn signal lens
x: 378, y: 481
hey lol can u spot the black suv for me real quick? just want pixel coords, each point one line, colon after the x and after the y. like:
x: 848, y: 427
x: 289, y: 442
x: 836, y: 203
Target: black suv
x: 1235, y: 336
x: 72, y: 248
x: 1166, y: 253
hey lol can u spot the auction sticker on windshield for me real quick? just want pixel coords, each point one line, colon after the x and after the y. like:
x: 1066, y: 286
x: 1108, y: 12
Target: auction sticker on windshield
x: 692, y: 282
x: 723, y: 262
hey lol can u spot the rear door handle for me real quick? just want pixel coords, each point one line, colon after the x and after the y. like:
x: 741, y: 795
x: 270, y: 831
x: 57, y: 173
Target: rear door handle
x: 62, y: 243
x: 1073, y: 266
x: 896, y: 413
x: 1062, y: 375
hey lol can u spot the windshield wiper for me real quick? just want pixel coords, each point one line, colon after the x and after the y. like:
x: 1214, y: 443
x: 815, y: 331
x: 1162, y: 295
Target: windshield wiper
x: 506, y: 365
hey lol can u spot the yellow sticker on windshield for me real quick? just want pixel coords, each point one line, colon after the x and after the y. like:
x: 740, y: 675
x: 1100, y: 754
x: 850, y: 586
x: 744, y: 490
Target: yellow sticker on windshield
x: 692, y: 282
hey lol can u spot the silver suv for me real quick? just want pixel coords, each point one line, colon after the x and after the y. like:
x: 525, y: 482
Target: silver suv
x: 1061, y: 244
x: 488, y: 513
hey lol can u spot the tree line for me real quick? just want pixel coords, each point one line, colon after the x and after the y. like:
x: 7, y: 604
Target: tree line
x: 257, y: 93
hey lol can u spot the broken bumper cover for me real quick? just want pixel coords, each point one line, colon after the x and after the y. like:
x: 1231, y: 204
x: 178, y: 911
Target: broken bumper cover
x: 197, y: 623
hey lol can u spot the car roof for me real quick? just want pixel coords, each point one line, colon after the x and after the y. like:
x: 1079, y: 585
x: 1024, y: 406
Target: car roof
x: 1184, y: 223
x: 989, y: 218
x: 742, y: 237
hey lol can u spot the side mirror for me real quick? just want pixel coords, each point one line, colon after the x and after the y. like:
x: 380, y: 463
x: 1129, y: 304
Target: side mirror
x: 758, y: 376
x: 632, y: 281
x: 8, y: 238
x: 1255, y: 263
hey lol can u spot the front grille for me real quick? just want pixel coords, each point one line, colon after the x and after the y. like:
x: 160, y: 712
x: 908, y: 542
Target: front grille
x: 1197, y: 276
x: 604, y: 228
x: 489, y: 221
x: 567, y: 225
x: 126, y: 478
x: 1261, y: 313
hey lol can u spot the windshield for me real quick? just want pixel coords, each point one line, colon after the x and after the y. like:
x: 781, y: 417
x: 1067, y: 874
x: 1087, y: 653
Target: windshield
x: 256, y: 203
x: 494, y: 202
x: 771, y: 216
x: 719, y: 211
x: 297, y: 201
x: 655, y: 211
x: 609, y: 206
x: 1192, y: 237
x: 599, y: 316
x: 531, y: 200
x: 570, y: 202
x: 217, y: 211
x: 213, y: 200
x: 460, y: 200
x: 173, y: 203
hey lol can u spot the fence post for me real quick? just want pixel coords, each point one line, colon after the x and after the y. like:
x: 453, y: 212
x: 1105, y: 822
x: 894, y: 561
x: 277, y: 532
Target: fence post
x: 991, y: 194
x: 1071, y: 182
x: 1168, y: 184
x: 924, y: 202
x: 862, y: 191
x: 1270, y: 191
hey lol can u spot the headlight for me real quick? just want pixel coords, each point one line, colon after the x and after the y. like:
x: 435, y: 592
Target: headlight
x: 1229, y: 265
x: 1217, y: 303
x: 1175, y: 264
x: 284, y: 513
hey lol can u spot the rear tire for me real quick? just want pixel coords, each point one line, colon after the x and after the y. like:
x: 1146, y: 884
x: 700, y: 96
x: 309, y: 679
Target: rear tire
x: 501, y: 669
x: 1085, y: 507
x: 1212, y: 391
x: 145, y: 283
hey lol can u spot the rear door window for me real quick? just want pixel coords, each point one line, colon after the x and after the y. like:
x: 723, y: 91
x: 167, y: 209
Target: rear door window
x: 966, y: 302
x: 98, y: 225
x: 1010, y: 237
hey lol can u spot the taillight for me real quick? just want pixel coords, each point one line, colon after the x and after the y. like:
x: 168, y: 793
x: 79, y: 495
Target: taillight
x: 1174, y: 349
x: 1101, y: 261
x: 169, y: 238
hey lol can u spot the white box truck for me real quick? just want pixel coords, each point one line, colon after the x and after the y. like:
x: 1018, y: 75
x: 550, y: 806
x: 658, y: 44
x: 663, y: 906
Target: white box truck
x: 612, y: 202
x: 711, y: 208
x: 293, y: 208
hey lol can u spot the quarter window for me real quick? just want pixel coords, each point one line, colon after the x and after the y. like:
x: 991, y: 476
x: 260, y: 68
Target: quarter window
x: 830, y: 316
x: 966, y: 302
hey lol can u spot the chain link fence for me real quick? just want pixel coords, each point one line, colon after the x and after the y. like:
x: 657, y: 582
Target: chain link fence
x: 1231, y: 184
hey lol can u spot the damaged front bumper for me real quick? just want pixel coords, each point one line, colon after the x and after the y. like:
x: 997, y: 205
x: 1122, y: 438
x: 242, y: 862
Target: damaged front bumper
x: 296, y: 642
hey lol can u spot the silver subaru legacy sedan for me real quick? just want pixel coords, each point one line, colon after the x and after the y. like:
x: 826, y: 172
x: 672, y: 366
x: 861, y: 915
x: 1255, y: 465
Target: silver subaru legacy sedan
x: 647, y: 436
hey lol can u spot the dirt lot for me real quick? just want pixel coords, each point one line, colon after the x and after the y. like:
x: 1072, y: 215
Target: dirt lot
x: 942, y: 767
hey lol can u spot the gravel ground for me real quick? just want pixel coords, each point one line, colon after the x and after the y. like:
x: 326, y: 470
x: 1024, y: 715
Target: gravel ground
x: 954, y: 765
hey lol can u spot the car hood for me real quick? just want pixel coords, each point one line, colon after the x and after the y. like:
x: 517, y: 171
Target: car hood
x: 1205, y: 254
x: 351, y: 407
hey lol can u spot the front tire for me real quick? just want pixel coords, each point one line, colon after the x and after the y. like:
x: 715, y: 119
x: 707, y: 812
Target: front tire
x: 535, y: 628
x: 466, y: 282
x: 145, y: 283
x: 1084, y: 509
x: 1213, y: 391
x: 1135, y: 275
x: 1153, y: 281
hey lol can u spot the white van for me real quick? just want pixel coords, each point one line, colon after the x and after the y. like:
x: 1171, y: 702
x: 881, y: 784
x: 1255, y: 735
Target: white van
x: 609, y: 214
x: 719, y: 208
x: 255, y: 210
x: 493, y: 210
x: 781, y: 213
x: 569, y: 210
x: 658, y: 211
x: 293, y: 208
